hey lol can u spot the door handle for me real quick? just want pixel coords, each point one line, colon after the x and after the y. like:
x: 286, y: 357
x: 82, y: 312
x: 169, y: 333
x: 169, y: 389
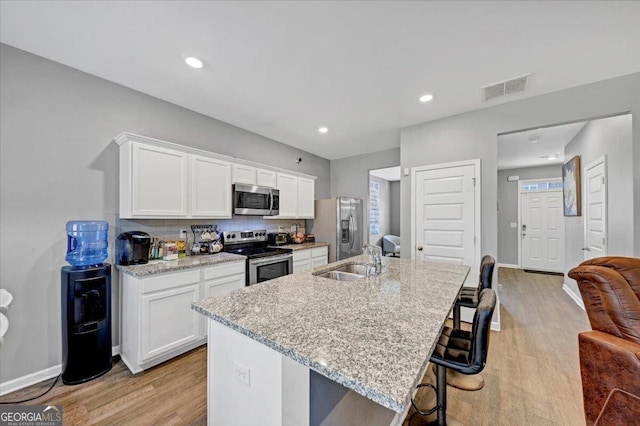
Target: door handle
x: 419, y: 248
x: 270, y: 201
x: 585, y: 249
x: 351, y: 231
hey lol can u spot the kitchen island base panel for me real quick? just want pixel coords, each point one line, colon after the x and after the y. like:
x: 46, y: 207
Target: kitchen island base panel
x: 250, y: 383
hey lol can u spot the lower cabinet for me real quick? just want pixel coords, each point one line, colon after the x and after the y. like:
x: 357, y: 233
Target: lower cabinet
x: 309, y: 258
x: 156, y: 316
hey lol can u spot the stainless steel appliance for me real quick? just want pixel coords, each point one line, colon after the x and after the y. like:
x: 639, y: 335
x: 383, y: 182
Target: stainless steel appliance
x: 339, y: 222
x: 255, y: 200
x: 263, y: 262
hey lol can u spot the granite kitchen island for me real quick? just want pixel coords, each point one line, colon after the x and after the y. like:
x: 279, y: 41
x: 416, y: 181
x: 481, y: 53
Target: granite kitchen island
x: 302, y: 349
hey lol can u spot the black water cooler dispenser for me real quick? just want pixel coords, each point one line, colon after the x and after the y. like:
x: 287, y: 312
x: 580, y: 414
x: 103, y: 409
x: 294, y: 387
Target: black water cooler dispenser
x: 86, y: 304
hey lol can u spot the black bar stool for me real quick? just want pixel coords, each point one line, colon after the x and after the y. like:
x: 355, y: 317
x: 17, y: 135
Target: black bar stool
x: 468, y: 297
x: 461, y: 351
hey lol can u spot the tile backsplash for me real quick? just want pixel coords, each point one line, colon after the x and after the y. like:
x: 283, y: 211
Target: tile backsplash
x: 169, y: 229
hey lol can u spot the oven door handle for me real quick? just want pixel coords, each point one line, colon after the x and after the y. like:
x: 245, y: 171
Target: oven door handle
x: 270, y: 259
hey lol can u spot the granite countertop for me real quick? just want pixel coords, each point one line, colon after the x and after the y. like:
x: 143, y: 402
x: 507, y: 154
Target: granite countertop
x: 161, y: 266
x: 304, y: 246
x: 373, y: 335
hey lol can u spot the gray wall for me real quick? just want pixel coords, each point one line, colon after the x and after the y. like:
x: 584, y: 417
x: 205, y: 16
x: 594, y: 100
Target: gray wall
x: 58, y: 163
x: 610, y: 137
x: 385, y: 211
x: 395, y: 208
x: 508, y: 208
x: 350, y: 177
x: 474, y: 135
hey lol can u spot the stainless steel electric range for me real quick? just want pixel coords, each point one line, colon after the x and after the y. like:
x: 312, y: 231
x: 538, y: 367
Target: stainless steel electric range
x: 263, y: 262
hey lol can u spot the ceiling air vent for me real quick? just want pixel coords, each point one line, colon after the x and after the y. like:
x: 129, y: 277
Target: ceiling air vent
x: 507, y: 87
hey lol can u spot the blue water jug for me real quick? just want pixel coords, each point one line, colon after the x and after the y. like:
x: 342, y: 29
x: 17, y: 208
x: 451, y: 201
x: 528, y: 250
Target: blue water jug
x: 86, y: 242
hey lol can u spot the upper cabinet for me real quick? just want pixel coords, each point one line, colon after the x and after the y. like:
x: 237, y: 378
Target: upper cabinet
x: 288, y: 188
x: 266, y: 178
x: 210, y: 187
x: 244, y: 174
x: 153, y: 181
x: 159, y: 179
x: 253, y: 176
x: 296, y: 197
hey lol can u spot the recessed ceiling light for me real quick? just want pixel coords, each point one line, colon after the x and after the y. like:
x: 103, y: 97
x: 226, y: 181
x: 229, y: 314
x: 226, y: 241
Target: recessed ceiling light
x: 323, y: 129
x: 194, y: 62
x: 426, y: 98
x: 550, y: 157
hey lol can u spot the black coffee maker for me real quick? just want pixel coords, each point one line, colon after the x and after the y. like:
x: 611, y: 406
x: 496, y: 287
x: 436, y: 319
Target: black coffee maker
x: 132, y: 248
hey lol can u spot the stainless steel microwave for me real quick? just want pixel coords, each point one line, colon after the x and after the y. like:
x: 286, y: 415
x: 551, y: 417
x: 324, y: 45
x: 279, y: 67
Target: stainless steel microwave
x: 255, y: 200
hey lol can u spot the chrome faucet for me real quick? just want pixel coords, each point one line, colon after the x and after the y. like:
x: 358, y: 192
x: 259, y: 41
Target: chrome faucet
x: 375, y: 257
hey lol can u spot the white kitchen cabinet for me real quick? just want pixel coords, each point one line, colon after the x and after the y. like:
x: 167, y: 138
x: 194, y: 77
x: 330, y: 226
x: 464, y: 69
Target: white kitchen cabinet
x: 153, y: 181
x: 160, y: 179
x: 296, y: 197
x: 306, y: 197
x: 301, y: 261
x: 254, y: 176
x: 288, y: 188
x: 221, y: 279
x: 319, y: 256
x: 244, y: 174
x: 309, y: 258
x: 168, y: 322
x: 156, y: 316
x: 210, y: 187
x: 266, y: 178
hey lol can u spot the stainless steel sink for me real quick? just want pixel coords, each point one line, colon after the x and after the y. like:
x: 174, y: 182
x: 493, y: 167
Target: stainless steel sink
x: 340, y: 276
x: 345, y: 272
x: 353, y: 268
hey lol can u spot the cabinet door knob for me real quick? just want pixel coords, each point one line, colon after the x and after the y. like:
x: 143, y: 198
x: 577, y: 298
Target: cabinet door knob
x: 419, y: 248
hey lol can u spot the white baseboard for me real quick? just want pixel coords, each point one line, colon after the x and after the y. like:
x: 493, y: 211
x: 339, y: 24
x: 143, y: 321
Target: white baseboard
x: 576, y: 298
x: 37, y: 377
x: 29, y: 379
x: 508, y: 265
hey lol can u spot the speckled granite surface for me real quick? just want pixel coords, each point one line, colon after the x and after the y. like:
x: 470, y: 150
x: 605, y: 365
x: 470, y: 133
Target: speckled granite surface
x: 305, y: 246
x: 373, y: 335
x: 158, y: 267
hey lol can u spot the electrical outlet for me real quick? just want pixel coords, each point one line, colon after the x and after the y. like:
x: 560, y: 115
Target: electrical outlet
x: 242, y: 373
x: 183, y: 234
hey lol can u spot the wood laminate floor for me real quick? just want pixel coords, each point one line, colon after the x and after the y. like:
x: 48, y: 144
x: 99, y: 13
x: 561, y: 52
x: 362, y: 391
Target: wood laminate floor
x: 532, y: 375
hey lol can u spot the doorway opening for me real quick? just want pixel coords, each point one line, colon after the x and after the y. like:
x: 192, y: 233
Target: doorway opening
x: 384, y: 209
x: 592, y: 158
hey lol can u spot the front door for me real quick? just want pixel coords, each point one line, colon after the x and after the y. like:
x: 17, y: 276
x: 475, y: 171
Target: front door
x: 595, y: 220
x: 542, y: 229
x: 446, y: 215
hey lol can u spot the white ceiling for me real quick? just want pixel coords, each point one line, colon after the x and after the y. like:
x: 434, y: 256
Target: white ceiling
x: 389, y: 173
x: 281, y: 69
x: 516, y: 150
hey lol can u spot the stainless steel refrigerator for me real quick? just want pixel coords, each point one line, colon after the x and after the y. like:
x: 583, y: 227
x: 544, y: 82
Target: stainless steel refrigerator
x: 338, y: 221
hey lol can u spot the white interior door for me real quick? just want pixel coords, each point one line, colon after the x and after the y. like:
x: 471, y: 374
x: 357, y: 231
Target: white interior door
x: 595, y: 215
x: 542, y: 230
x: 447, y: 213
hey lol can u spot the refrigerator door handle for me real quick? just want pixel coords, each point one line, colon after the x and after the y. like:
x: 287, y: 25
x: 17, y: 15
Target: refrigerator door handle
x: 351, y: 232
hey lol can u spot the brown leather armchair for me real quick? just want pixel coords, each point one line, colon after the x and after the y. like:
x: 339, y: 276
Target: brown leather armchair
x: 610, y: 353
